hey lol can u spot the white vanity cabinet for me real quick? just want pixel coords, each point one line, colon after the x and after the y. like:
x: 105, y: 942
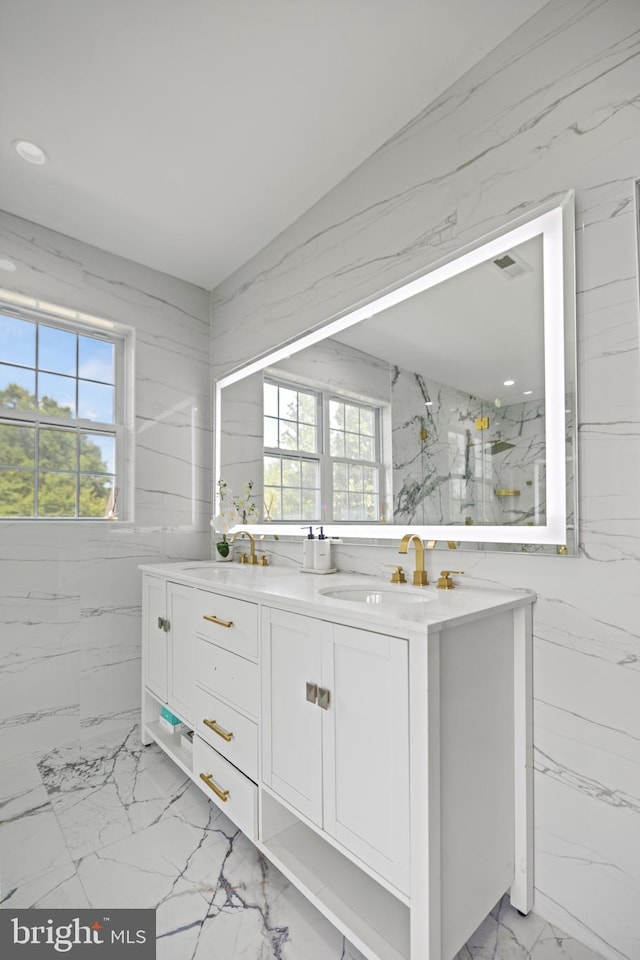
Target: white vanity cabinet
x: 335, y: 734
x: 380, y: 758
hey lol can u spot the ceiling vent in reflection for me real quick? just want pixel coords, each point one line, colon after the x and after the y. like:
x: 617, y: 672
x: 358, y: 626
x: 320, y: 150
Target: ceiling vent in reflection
x: 511, y: 265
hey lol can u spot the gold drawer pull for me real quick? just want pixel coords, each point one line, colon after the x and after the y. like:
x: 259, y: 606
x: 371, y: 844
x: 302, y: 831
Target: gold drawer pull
x: 222, y: 623
x: 208, y: 779
x: 213, y: 725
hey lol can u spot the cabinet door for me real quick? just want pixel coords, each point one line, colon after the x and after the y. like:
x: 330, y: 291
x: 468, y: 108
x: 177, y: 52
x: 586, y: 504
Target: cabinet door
x: 366, y: 749
x: 180, y: 609
x: 292, y: 724
x: 154, y: 637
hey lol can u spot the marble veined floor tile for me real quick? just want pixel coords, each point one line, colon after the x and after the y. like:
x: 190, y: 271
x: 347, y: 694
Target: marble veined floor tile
x: 145, y: 868
x: 506, y: 935
x: 31, y: 842
x: 104, y: 790
x: 251, y: 913
x: 57, y: 889
x: 142, y: 834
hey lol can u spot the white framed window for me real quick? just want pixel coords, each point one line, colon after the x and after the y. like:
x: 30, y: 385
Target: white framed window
x: 292, y: 446
x: 355, y: 459
x: 63, y: 433
x: 322, y: 455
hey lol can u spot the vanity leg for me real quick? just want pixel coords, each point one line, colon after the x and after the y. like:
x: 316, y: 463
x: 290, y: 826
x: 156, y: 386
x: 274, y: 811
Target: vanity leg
x: 522, y: 887
x: 426, y: 910
x: 146, y: 716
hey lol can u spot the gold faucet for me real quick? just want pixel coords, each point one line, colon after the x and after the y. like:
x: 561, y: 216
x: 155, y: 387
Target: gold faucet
x: 252, y: 559
x: 420, y: 577
x: 444, y: 580
x: 398, y: 573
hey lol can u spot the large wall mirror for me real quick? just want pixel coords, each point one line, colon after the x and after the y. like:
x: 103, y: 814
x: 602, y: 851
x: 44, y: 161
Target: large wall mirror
x: 445, y: 406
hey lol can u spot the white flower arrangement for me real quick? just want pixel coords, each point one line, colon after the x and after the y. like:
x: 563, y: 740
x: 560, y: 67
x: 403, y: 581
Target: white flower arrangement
x: 234, y: 509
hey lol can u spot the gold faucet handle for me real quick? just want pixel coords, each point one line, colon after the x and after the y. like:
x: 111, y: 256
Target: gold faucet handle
x: 444, y: 580
x: 243, y: 558
x: 398, y: 573
x: 263, y: 560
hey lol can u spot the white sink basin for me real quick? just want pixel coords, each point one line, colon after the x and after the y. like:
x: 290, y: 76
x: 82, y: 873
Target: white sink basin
x: 210, y: 571
x: 376, y: 595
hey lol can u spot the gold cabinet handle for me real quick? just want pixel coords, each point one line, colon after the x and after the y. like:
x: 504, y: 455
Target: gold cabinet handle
x: 213, y: 725
x: 323, y: 698
x: 222, y: 623
x: 208, y: 779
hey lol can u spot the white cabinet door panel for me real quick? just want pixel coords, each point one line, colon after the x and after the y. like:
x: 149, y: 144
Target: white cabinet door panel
x: 292, y: 725
x: 154, y: 637
x: 181, y: 649
x: 366, y: 750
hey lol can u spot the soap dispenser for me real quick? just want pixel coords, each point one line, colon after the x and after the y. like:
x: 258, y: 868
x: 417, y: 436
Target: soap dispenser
x: 308, y: 552
x: 322, y: 552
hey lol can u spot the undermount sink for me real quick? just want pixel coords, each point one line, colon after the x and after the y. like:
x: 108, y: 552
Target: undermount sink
x: 376, y: 595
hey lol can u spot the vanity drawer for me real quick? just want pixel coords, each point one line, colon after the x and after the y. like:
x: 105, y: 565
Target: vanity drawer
x: 231, y: 623
x: 226, y: 787
x: 232, y: 735
x: 229, y: 676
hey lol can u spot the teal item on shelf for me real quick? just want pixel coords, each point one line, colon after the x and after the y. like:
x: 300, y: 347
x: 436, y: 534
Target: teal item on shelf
x: 169, y: 717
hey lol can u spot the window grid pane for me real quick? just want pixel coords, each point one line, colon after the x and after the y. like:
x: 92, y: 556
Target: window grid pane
x: 17, y: 388
x: 352, y: 430
x: 290, y: 418
x: 355, y: 475
x: 47, y: 470
x: 94, y: 495
x: 57, y: 350
x: 18, y: 339
x: 96, y: 360
x: 17, y: 492
x: 291, y: 487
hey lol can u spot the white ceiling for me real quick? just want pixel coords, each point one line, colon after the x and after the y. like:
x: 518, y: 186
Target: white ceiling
x: 471, y: 332
x: 187, y: 134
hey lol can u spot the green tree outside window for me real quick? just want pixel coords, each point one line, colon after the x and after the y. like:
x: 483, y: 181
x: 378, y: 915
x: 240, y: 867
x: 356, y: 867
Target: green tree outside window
x: 71, y: 466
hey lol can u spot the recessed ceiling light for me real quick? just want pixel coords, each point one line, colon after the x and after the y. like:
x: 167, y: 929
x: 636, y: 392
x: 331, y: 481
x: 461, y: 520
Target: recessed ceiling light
x: 508, y: 383
x: 527, y: 393
x: 7, y: 265
x: 30, y: 152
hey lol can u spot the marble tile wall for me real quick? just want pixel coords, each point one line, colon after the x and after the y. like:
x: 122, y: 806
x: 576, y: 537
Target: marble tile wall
x: 451, y: 474
x: 553, y: 107
x: 70, y: 592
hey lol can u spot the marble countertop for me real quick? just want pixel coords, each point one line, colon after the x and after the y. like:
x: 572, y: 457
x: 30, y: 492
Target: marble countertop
x: 302, y: 593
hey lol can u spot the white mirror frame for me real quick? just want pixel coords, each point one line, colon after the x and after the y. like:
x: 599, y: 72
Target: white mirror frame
x: 557, y: 227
